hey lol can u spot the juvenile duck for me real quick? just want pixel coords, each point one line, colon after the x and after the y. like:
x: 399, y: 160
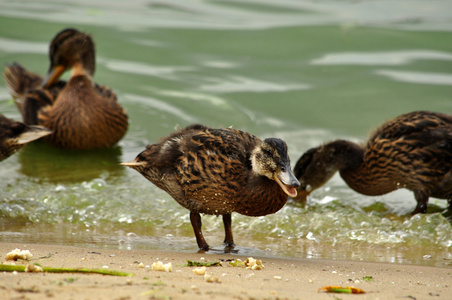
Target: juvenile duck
x: 412, y: 151
x: 81, y: 114
x: 14, y: 135
x: 219, y: 171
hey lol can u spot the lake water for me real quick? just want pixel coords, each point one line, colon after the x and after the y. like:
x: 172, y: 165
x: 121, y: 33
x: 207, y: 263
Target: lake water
x: 305, y: 71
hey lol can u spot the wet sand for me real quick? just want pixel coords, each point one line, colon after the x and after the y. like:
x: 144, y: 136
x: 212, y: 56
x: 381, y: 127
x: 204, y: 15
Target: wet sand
x: 280, y: 279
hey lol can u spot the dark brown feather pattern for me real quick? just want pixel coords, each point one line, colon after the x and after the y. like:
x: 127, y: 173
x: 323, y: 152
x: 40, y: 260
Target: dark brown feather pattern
x: 412, y: 151
x: 214, y: 171
x: 14, y: 135
x: 81, y: 113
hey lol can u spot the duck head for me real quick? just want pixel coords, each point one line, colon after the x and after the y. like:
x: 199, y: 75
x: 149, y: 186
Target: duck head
x: 271, y: 159
x: 314, y: 168
x: 70, y: 48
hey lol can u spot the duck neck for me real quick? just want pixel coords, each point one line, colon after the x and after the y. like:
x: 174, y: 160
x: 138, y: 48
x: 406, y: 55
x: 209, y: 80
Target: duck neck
x: 264, y: 197
x: 361, y: 172
x: 78, y: 69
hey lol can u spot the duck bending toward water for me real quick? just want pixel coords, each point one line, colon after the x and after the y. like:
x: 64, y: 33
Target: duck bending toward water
x: 219, y: 171
x: 80, y: 113
x: 14, y: 135
x: 412, y: 151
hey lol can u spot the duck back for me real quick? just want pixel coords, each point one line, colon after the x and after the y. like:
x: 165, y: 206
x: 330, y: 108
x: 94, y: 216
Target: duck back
x: 82, y: 118
x: 413, y: 151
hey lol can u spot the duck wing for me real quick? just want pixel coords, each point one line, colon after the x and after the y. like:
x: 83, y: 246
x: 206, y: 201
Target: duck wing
x: 412, y: 124
x: 19, y: 80
x: 214, y: 170
x: 29, y: 96
x: 417, y: 147
x: 105, y: 92
x: 220, y: 156
x: 201, y: 167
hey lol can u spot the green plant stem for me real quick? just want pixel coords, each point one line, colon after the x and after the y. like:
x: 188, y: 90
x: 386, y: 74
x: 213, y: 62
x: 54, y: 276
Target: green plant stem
x: 12, y: 268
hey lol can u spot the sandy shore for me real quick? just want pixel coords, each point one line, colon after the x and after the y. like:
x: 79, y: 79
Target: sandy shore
x: 280, y: 279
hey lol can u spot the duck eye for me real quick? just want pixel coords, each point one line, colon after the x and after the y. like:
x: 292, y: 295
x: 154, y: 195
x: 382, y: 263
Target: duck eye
x: 267, y: 152
x: 283, y: 169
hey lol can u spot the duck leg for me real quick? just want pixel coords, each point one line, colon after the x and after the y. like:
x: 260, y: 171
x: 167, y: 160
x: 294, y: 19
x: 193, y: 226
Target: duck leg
x: 228, y: 239
x: 422, y: 200
x: 196, y: 223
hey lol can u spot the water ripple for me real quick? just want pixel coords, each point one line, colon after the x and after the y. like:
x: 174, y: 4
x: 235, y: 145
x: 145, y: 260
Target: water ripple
x: 141, y: 68
x: 417, y: 77
x: 18, y: 46
x: 244, y: 84
x: 244, y: 14
x: 387, y: 58
x: 160, y: 106
x: 217, y: 101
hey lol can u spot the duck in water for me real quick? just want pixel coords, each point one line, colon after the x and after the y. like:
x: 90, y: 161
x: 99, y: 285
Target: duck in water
x: 412, y: 151
x: 218, y: 172
x: 80, y: 113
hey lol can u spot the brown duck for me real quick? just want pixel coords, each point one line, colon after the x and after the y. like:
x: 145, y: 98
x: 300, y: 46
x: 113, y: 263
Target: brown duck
x: 14, y: 135
x: 81, y: 113
x: 412, y: 151
x: 219, y: 171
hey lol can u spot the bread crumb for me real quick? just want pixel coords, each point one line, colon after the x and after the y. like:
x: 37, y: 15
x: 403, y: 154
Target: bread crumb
x: 200, y: 271
x: 211, y: 278
x: 33, y: 268
x: 159, y: 266
x: 18, y: 254
x: 253, y: 264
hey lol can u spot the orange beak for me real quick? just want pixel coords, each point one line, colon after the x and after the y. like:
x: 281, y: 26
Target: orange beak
x: 53, y: 76
x: 302, y: 196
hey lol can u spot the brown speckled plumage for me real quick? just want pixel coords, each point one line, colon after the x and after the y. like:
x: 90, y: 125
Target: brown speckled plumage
x: 219, y: 171
x: 81, y: 113
x: 412, y: 151
x: 14, y: 135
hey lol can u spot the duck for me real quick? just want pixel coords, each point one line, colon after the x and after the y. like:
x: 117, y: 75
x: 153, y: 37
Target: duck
x: 412, y: 151
x: 218, y: 171
x: 80, y: 113
x: 14, y: 135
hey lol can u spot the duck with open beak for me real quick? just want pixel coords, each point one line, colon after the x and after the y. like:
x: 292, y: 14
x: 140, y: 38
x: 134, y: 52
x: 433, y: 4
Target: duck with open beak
x: 219, y: 171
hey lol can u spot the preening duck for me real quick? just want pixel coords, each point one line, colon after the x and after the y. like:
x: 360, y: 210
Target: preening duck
x: 80, y: 113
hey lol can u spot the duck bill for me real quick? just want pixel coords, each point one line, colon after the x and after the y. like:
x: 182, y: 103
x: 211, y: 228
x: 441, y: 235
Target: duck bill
x: 53, y: 76
x: 133, y: 164
x: 302, y: 195
x: 287, y: 181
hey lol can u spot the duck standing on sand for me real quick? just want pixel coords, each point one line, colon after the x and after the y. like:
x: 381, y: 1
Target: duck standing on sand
x: 219, y: 171
x: 412, y: 151
x: 80, y: 113
x: 14, y: 135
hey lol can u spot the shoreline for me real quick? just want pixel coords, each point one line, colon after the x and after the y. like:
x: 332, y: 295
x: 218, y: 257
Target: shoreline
x: 282, y: 278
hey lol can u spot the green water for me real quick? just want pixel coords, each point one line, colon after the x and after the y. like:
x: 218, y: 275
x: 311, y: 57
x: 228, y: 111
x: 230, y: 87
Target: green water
x: 304, y: 71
